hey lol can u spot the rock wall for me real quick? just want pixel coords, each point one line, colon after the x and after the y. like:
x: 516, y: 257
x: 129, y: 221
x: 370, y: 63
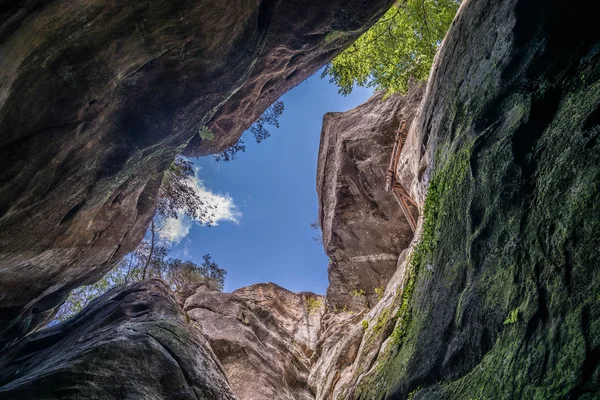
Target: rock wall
x: 131, y: 343
x: 263, y: 335
x: 497, y: 297
x: 97, y: 98
x: 364, y: 229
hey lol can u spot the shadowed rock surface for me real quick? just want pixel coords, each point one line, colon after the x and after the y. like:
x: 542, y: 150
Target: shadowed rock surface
x: 501, y: 297
x: 131, y: 343
x: 263, y: 335
x: 364, y: 229
x: 97, y: 98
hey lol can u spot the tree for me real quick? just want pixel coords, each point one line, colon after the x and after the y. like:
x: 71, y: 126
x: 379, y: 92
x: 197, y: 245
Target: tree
x: 149, y: 259
x: 178, y: 273
x: 258, y: 130
x: 176, y: 194
x: 399, y: 47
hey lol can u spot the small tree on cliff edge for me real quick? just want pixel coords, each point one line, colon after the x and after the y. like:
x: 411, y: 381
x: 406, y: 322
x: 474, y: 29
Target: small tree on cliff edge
x: 149, y: 259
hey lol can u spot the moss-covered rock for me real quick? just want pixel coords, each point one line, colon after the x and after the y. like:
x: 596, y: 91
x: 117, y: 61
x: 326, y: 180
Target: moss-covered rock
x: 506, y: 299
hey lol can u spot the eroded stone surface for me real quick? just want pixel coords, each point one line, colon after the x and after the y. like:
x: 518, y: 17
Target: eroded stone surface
x: 263, y: 335
x: 131, y: 343
x: 364, y: 229
x: 96, y: 99
x: 501, y: 299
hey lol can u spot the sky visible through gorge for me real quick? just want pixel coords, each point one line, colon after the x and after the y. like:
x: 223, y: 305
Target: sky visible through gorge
x: 267, y: 199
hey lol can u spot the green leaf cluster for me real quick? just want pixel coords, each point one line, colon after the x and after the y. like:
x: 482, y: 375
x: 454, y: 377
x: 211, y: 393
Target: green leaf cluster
x: 401, y: 46
x: 313, y: 305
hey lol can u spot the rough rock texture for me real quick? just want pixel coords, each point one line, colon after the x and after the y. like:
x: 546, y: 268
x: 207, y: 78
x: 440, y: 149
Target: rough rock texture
x: 96, y: 99
x: 364, y: 229
x: 500, y: 300
x: 263, y: 335
x: 131, y: 343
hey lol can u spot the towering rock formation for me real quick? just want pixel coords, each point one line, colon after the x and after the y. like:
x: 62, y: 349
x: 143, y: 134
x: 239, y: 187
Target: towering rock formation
x: 498, y: 295
x: 97, y: 97
x: 364, y: 229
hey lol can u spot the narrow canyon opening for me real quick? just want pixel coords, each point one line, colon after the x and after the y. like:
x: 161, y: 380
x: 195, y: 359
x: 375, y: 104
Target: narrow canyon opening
x: 299, y: 200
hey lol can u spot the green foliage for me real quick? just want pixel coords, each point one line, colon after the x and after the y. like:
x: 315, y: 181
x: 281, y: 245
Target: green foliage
x: 379, y: 291
x: 365, y: 324
x: 346, y: 311
x: 512, y: 317
x: 257, y: 129
x: 269, y: 117
x: 358, y: 293
x: 134, y: 267
x: 411, y: 395
x: 206, y: 134
x: 178, y: 273
x: 178, y: 192
x: 313, y: 305
x: 400, y: 46
x: 382, y: 320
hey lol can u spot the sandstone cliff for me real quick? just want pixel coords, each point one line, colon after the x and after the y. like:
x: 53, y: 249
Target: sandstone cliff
x: 263, y: 335
x: 364, y: 229
x: 97, y: 97
x: 497, y: 296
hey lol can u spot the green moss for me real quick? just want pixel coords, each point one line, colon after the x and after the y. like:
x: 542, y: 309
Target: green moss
x: 334, y: 35
x: 382, y: 319
x: 512, y: 317
x: 206, y: 134
x: 365, y: 324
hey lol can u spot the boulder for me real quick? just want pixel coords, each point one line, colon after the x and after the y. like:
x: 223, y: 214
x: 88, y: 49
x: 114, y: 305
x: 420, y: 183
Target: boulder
x: 133, y: 342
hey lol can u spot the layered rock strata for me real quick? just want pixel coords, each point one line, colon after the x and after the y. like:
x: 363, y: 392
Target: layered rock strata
x: 364, y: 229
x: 263, y: 335
x: 498, y: 295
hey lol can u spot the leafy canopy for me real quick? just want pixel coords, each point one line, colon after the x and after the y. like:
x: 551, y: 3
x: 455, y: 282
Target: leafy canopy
x: 399, y: 47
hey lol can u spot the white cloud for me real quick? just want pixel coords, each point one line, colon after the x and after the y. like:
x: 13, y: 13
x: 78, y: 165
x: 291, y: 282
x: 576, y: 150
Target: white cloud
x: 223, y: 209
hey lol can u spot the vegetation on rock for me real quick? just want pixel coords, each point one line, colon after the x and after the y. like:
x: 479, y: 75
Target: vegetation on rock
x: 399, y: 47
x: 313, y: 305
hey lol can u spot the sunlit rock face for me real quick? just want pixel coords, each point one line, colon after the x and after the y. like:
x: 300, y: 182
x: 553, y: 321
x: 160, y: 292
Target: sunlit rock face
x: 131, y: 343
x: 263, y: 335
x: 498, y: 294
x: 364, y: 228
x: 96, y: 99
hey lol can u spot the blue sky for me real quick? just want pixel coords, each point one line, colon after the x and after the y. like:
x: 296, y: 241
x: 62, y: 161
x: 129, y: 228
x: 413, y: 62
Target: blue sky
x: 270, y: 193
